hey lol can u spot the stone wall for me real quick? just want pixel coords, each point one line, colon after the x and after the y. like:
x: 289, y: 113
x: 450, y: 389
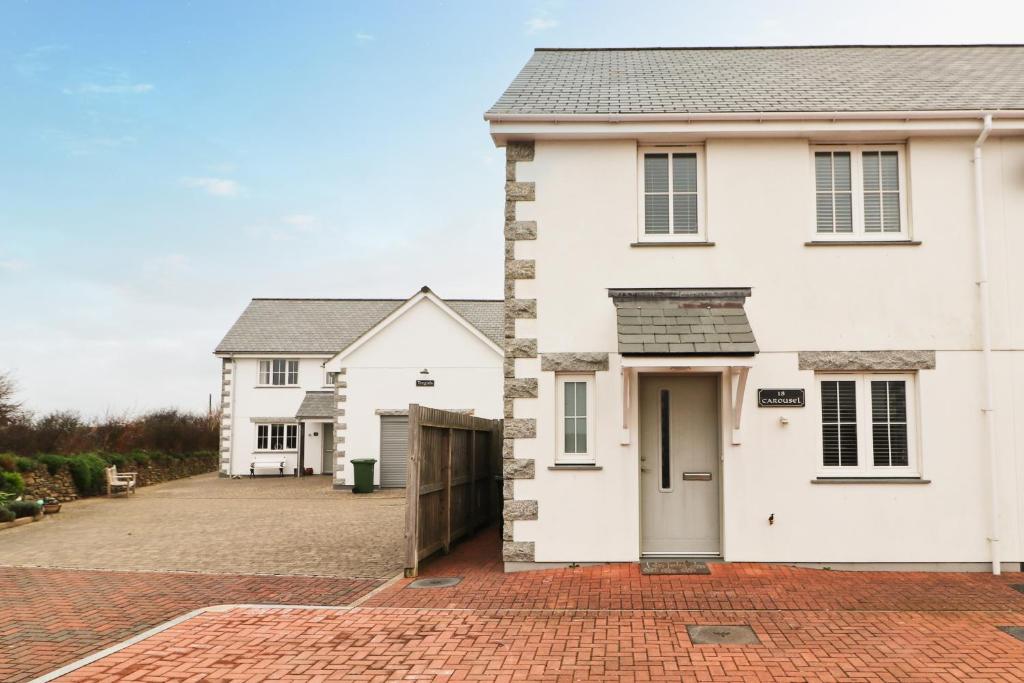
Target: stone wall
x: 39, y: 483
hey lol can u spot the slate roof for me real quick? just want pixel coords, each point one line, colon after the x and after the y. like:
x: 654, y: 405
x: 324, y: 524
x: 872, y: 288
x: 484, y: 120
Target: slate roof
x: 328, y: 326
x: 316, y: 404
x: 766, y: 79
x: 685, y: 321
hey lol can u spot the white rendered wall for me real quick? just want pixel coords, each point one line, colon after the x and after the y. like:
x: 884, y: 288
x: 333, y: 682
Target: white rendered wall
x: 759, y: 214
x: 252, y: 400
x: 382, y: 374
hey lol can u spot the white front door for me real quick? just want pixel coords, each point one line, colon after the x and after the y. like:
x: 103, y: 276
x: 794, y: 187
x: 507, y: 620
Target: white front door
x: 679, y: 465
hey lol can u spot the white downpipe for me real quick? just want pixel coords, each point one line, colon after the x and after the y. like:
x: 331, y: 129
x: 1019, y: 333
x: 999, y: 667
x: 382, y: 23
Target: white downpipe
x: 988, y: 406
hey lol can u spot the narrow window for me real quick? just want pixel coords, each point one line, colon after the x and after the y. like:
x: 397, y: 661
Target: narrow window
x: 839, y: 423
x: 330, y: 379
x: 291, y: 439
x: 889, y: 423
x: 670, y: 194
x: 575, y: 417
x: 666, y: 441
x: 293, y: 372
x: 264, y: 372
x: 881, y: 192
x: 576, y: 423
x: 262, y: 437
x: 834, y: 192
x: 277, y: 437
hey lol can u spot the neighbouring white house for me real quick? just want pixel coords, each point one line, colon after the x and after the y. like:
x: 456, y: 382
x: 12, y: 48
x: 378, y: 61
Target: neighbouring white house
x: 313, y: 383
x: 765, y: 305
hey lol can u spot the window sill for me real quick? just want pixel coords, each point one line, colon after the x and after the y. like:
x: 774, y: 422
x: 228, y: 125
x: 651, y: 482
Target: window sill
x: 278, y: 386
x: 870, y: 480
x: 863, y: 243
x: 274, y: 452
x: 672, y: 244
x: 579, y: 467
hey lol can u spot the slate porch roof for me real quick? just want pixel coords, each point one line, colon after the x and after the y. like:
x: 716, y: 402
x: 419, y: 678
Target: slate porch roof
x: 328, y: 326
x: 683, y: 321
x: 316, y: 404
x: 766, y: 79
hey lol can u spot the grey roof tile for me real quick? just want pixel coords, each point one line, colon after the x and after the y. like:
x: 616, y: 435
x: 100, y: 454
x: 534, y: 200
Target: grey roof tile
x: 316, y: 404
x: 721, y: 323
x: 329, y: 325
x: 753, y: 80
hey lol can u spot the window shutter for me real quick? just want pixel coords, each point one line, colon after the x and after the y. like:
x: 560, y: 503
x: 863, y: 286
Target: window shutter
x: 839, y: 423
x: 656, y: 194
x: 834, y: 207
x: 889, y: 423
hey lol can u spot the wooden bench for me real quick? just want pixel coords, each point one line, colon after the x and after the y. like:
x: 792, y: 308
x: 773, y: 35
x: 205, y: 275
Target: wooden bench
x: 119, y: 482
x: 266, y: 463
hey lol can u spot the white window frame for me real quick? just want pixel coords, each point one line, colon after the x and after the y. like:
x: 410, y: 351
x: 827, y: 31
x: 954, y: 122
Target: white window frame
x: 865, y: 452
x: 327, y: 377
x: 561, y: 457
x: 270, y: 372
x: 287, y: 427
x: 857, y: 195
x: 702, y: 232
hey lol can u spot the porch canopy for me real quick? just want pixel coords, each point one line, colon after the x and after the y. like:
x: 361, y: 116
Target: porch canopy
x: 685, y: 328
x: 316, y: 405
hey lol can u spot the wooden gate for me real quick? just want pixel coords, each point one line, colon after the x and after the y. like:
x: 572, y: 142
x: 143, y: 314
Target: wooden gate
x: 452, y: 486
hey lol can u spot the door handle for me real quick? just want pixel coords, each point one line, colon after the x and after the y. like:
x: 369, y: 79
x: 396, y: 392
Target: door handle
x: 696, y: 476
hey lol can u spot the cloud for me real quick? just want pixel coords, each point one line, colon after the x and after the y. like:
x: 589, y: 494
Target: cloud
x: 300, y: 220
x: 363, y: 37
x: 13, y: 266
x: 542, y: 21
x: 111, y: 89
x: 218, y: 187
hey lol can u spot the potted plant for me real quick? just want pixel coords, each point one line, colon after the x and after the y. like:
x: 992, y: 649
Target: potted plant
x: 51, y: 506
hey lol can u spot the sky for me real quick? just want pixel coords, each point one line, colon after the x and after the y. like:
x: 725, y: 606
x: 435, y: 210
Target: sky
x: 161, y: 163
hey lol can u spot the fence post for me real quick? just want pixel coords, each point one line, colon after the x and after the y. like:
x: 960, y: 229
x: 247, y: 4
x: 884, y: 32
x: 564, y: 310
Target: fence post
x: 448, y: 493
x: 471, y: 509
x: 412, y: 494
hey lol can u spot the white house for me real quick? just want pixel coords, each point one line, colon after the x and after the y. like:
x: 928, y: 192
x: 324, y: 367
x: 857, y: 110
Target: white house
x: 765, y: 305
x: 321, y: 381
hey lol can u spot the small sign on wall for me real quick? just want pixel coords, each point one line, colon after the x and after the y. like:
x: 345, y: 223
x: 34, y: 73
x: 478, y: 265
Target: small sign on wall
x: 424, y: 382
x: 780, y: 398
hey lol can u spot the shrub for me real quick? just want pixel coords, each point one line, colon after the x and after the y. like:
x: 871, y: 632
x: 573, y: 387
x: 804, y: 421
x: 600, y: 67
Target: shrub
x: 6, y: 515
x: 25, y: 464
x: 11, y: 482
x: 53, y: 462
x: 23, y: 508
x: 87, y: 471
x: 8, y: 462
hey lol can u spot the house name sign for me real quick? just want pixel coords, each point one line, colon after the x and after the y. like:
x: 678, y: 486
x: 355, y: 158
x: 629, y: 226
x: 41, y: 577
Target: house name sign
x: 780, y: 398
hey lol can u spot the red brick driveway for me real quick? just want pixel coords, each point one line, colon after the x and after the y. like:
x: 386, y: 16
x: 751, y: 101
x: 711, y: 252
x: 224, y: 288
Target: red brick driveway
x: 607, y: 623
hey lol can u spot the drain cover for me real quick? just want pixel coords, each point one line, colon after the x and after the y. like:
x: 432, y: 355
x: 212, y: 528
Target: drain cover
x: 722, y: 634
x: 673, y: 567
x: 435, y: 582
x: 1015, y: 631
x: 1018, y: 587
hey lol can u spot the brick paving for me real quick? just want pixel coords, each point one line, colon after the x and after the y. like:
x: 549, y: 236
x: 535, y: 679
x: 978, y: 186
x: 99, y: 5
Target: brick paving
x: 49, y: 617
x: 269, y: 525
x: 607, y: 623
x: 265, y: 541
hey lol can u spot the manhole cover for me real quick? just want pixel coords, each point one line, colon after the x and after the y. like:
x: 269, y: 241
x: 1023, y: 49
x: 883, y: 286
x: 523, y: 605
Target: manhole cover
x: 673, y: 567
x: 1015, y: 631
x: 435, y: 582
x: 721, y: 634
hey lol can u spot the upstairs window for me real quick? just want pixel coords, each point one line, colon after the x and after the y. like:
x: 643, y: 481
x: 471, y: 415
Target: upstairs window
x: 859, y: 193
x: 670, y: 204
x: 867, y: 425
x: 330, y: 378
x: 279, y: 372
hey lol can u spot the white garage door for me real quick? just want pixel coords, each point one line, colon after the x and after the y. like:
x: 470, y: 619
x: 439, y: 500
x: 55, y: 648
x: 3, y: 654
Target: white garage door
x: 394, y: 449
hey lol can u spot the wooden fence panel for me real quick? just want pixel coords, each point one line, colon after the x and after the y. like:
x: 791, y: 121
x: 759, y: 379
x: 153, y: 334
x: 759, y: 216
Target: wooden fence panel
x: 452, y: 486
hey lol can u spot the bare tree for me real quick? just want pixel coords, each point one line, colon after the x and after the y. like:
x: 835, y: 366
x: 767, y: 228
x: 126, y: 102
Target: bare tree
x: 10, y: 409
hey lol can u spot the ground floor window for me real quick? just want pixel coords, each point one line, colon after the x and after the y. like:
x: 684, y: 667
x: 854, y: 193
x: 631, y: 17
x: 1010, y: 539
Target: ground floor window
x: 576, y: 419
x: 277, y: 437
x: 868, y: 425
